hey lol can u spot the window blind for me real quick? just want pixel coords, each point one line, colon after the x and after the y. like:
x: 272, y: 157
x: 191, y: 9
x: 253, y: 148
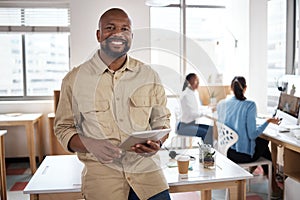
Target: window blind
x: 20, y: 19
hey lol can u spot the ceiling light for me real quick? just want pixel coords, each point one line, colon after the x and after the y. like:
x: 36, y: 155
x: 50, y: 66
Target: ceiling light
x: 157, y: 3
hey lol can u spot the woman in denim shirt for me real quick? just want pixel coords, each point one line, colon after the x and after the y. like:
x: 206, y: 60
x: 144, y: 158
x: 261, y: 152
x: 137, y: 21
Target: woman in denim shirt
x: 239, y: 113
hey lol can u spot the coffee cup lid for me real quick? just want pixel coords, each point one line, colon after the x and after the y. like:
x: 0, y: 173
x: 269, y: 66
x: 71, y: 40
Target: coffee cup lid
x: 183, y: 158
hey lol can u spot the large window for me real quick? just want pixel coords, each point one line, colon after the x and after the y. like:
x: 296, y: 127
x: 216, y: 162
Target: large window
x: 181, y: 32
x: 276, y: 48
x: 200, y: 25
x: 209, y: 24
x: 34, y: 51
x: 297, y: 45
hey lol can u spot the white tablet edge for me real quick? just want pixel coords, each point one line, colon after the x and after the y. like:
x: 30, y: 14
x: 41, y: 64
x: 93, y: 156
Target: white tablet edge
x: 142, y: 137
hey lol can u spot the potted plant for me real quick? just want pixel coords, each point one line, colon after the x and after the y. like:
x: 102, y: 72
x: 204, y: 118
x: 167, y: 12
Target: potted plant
x: 293, y: 90
x: 213, y: 99
x: 209, y: 159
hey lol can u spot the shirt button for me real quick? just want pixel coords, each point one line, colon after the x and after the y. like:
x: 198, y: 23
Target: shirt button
x: 118, y: 99
x: 128, y: 178
x: 121, y: 120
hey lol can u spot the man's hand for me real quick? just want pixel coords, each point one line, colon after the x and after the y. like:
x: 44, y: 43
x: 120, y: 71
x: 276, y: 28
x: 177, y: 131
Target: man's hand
x: 148, y: 149
x: 102, y: 149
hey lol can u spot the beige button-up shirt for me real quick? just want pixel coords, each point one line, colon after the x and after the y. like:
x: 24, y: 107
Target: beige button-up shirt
x: 99, y: 103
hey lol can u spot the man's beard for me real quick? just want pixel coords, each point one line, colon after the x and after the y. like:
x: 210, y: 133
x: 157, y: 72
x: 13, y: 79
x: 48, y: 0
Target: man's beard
x: 112, y: 53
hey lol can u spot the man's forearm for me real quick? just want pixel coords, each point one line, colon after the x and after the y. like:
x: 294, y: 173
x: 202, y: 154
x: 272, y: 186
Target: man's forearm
x: 76, y: 144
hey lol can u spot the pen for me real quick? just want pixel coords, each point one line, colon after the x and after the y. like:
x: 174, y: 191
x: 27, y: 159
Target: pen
x: 275, y: 113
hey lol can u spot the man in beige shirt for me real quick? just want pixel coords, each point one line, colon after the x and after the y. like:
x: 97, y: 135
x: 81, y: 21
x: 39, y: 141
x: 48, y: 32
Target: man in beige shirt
x: 102, y: 102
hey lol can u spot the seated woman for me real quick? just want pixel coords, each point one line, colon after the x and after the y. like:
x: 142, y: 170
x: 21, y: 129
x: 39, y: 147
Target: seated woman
x: 240, y: 114
x: 191, y: 110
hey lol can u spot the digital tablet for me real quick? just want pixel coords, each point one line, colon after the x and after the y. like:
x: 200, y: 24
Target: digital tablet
x: 142, y: 137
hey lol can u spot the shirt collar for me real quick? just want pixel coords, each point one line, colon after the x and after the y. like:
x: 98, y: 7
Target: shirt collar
x: 102, y: 67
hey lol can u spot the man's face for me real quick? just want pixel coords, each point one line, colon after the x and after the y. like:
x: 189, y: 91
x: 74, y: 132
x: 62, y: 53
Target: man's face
x: 114, y: 34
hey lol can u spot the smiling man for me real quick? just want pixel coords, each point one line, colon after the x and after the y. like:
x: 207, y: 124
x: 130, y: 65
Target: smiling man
x: 102, y: 102
x: 114, y: 36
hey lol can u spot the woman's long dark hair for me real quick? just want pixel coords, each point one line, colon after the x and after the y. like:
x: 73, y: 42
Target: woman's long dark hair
x: 187, y: 80
x: 238, y: 84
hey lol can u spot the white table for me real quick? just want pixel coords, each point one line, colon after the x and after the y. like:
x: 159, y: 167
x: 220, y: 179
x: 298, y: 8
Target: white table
x: 226, y: 174
x: 28, y: 121
x: 2, y: 166
x: 291, y: 147
x: 285, y: 140
x: 59, y: 177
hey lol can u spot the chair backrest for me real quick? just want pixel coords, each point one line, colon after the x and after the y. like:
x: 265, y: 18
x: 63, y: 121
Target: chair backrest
x: 226, y: 138
x: 56, y: 94
x: 177, y: 119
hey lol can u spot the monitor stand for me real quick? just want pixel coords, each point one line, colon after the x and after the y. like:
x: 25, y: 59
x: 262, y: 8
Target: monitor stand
x: 298, y: 122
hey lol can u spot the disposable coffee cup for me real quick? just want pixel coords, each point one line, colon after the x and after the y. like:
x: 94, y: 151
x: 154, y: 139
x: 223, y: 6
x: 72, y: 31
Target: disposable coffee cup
x: 183, y: 164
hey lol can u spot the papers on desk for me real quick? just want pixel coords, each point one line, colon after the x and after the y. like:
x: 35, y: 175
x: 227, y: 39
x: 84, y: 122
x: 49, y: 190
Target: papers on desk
x: 292, y: 127
x: 287, y: 128
x: 296, y: 133
x: 13, y: 114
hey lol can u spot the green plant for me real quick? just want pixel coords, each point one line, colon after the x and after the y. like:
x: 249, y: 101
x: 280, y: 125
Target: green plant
x: 209, y: 155
x: 212, y: 94
x: 209, y: 160
x: 293, y: 90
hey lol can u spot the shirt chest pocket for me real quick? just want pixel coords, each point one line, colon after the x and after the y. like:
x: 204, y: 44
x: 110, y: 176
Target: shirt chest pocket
x: 140, y: 111
x: 98, y: 116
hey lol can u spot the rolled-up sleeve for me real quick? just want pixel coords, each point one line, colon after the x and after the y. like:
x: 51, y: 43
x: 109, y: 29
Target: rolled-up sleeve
x: 64, y: 125
x: 160, y: 114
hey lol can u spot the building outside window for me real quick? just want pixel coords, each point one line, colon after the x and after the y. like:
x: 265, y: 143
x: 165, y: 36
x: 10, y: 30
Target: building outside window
x: 34, y: 51
x: 276, y: 48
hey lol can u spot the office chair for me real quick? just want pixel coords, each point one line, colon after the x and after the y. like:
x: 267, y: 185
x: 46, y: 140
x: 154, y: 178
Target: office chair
x: 180, y: 141
x: 226, y: 138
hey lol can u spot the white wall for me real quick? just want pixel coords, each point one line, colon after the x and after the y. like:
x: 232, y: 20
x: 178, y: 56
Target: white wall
x: 238, y: 23
x: 258, y: 53
x: 248, y: 23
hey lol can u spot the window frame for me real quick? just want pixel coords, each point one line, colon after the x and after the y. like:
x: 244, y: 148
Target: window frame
x: 23, y: 30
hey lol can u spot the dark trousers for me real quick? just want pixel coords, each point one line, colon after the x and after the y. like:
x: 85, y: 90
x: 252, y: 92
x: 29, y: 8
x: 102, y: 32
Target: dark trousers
x: 164, y: 195
x: 199, y: 130
x: 261, y: 149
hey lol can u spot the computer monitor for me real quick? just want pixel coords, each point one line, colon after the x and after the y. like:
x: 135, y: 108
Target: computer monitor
x: 289, y: 104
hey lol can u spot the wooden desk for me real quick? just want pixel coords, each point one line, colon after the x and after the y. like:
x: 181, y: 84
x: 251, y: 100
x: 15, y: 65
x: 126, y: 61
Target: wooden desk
x: 291, y: 149
x: 2, y: 166
x: 59, y: 177
x: 28, y: 121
